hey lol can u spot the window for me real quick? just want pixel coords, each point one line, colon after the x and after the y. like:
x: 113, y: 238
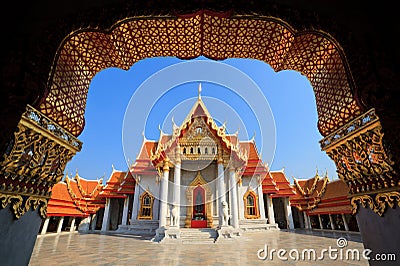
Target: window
x: 184, y: 150
x: 198, y: 150
x: 206, y: 151
x: 250, y: 203
x: 191, y: 150
x: 146, y: 206
x: 213, y: 150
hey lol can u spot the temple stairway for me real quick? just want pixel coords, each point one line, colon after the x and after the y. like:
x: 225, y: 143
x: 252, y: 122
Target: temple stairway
x: 198, y: 235
x: 256, y: 224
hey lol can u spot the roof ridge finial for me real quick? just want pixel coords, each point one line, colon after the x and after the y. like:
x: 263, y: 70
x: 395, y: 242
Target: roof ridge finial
x: 199, y: 92
x: 112, y: 166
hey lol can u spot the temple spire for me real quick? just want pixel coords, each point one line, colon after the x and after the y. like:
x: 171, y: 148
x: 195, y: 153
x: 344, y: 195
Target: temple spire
x: 199, y: 92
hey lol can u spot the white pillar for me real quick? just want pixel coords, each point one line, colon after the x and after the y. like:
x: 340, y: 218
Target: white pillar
x: 177, y: 189
x: 288, y: 213
x: 94, y: 222
x: 270, y: 206
x: 60, y: 223
x: 320, y: 222
x: 260, y: 199
x: 346, y: 226
x: 72, y: 228
x: 164, y: 195
x: 221, y: 188
x: 106, y: 217
x: 136, y: 203
x: 125, y: 211
x: 331, y: 220
x: 306, y: 221
x: 234, y: 195
x: 45, y: 226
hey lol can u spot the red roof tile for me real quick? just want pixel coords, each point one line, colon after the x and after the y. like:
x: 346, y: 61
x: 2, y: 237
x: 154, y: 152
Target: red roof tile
x: 113, y: 184
x: 283, y: 184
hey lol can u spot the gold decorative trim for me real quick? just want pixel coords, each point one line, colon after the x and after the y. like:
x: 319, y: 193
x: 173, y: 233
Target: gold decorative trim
x: 198, y: 181
x: 140, y: 216
x: 362, y: 159
x: 36, y: 156
x: 20, y: 205
x: 377, y: 205
x: 256, y: 205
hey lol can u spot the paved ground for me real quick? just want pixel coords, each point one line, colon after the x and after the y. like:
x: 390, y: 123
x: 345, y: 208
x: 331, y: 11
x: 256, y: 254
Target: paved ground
x: 100, y: 249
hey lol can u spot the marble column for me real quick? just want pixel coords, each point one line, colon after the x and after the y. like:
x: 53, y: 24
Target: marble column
x: 321, y: 226
x: 125, y: 211
x: 94, y: 222
x: 106, y: 217
x: 331, y: 220
x: 221, y: 189
x: 72, y: 228
x: 306, y: 221
x: 136, y: 203
x: 346, y: 226
x: 45, y: 226
x: 270, y: 206
x: 177, y: 187
x: 288, y: 214
x: 260, y: 200
x: 234, y: 195
x: 60, y: 223
x: 164, y: 195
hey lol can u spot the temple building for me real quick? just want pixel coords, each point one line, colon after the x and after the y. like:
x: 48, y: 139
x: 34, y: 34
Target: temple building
x: 74, y: 202
x: 199, y: 177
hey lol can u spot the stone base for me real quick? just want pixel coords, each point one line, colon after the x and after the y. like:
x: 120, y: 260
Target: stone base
x: 172, y: 233
x: 160, y: 234
x: 228, y: 233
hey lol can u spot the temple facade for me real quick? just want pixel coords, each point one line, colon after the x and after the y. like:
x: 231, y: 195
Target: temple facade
x: 197, y: 177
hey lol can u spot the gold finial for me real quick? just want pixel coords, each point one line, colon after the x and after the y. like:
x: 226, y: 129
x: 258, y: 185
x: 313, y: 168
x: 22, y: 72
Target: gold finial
x: 199, y: 92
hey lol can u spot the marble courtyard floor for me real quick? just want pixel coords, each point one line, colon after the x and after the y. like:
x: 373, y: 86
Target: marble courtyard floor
x: 113, y: 249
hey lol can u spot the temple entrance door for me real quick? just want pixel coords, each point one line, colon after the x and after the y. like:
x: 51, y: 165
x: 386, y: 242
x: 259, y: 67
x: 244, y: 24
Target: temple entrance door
x: 199, y: 219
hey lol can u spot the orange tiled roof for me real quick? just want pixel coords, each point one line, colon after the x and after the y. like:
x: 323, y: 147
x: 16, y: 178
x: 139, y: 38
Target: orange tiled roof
x: 335, y: 199
x: 113, y: 184
x: 143, y: 164
x: 61, y: 203
x: 127, y: 185
x: 85, y: 198
x: 308, y: 192
x: 283, y: 184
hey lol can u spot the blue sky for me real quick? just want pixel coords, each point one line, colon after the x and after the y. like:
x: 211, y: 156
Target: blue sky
x: 279, y: 108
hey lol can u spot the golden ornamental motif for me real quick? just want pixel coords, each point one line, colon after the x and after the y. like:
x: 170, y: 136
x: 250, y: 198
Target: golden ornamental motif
x: 311, y: 52
x: 19, y: 205
x: 36, y: 156
x: 362, y: 160
x: 378, y: 204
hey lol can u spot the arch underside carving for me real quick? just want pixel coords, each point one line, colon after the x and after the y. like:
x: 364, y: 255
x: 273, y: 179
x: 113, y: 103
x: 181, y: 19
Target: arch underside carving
x: 214, y: 35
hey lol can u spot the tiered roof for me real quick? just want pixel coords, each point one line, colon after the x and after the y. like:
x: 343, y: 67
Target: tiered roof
x: 75, y: 197
x: 112, y: 188
x: 61, y: 203
x: 335, y: 199
x: 308, y: 192
x: 283, y: 184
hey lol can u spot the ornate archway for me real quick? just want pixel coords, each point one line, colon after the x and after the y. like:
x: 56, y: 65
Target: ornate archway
x: 198, y: 182
x: 85, y: 50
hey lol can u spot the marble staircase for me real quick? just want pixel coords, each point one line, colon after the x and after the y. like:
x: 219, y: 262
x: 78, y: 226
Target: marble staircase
x: 256, y: 224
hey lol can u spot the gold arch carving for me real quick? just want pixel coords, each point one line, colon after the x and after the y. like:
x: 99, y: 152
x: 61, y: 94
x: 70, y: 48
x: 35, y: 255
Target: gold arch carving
x: 313, y: 53
x: 198, y: 181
